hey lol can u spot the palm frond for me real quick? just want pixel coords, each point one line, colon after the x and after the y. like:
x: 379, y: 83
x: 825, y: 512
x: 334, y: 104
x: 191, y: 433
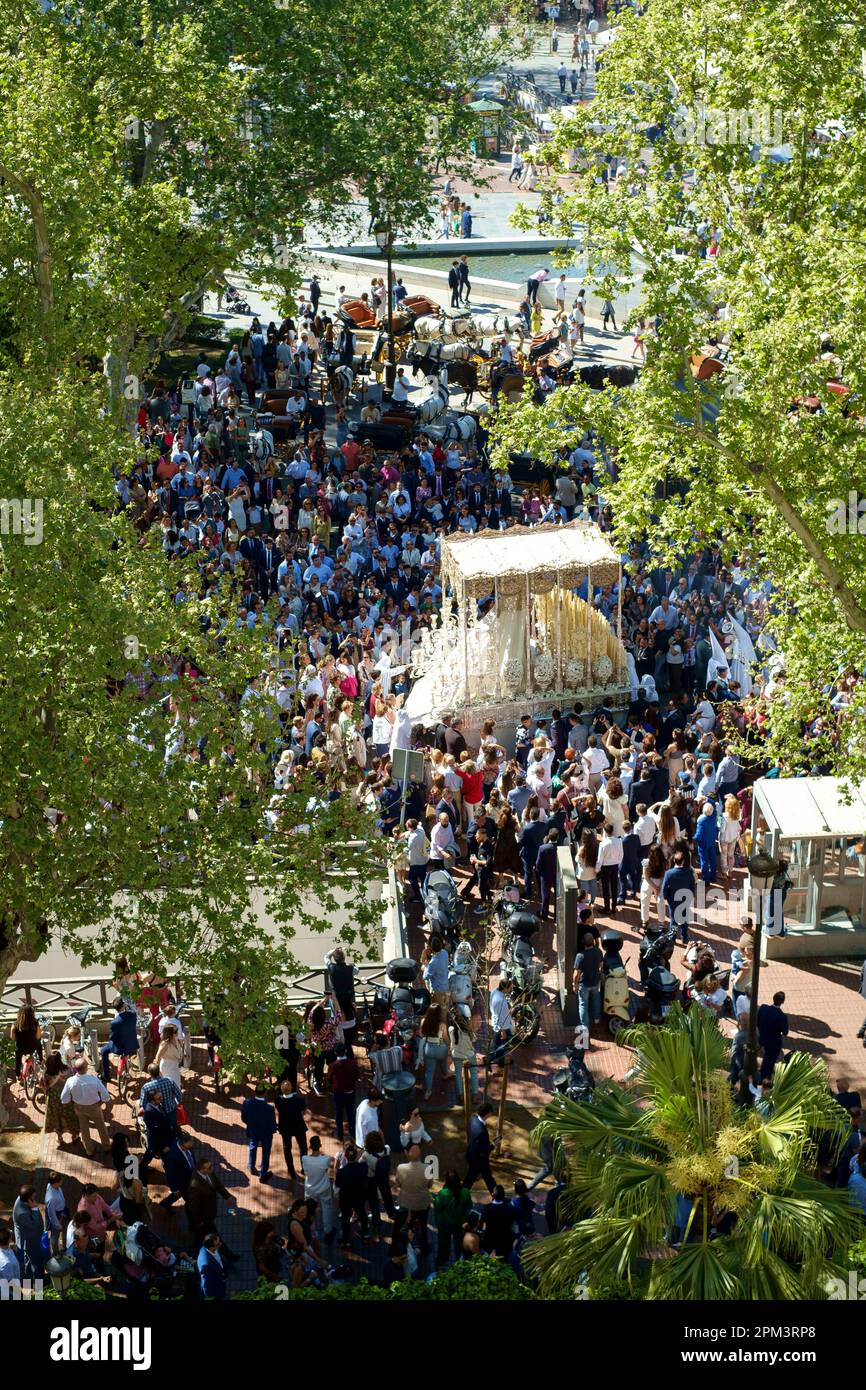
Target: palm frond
x: 600, y: 1125
x: 696, y: 1273
x: 803, y: 1107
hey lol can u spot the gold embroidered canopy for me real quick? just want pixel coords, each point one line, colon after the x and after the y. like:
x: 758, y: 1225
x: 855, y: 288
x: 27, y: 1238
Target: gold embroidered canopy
x: 539, y: 557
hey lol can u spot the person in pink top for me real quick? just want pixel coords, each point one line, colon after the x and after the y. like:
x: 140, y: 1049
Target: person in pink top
x: 99, y: 1211
x: 534, y: 283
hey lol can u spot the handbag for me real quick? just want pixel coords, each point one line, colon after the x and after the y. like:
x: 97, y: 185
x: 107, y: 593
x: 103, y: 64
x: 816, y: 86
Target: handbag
x: 182, y: 1117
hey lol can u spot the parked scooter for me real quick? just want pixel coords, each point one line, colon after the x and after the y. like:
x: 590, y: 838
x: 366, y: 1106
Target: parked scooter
x: 616, y: 998
x: 656, y: 949
x: 462, y: 978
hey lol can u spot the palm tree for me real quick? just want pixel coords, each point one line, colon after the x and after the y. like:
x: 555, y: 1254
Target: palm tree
x: 675, y: 1190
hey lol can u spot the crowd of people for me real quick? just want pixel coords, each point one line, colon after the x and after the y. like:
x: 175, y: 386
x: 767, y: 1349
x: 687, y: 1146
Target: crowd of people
x: 327, y: 551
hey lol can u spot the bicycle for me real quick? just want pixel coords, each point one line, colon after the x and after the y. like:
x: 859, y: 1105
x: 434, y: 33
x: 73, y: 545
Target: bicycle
x: 78, y: 1018
x: 33, y: 1066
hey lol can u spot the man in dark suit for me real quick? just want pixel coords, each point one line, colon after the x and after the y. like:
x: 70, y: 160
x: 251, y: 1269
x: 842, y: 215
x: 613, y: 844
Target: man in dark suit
x: 560, y: 728
x: 291, y: 1124
x: 449, y: 806
x: 161, y: 1130
x: 201, y: 1202
x: 211, y: 1267
x: 630, y: 868
x: 479, y: 1149
x: 453, y: 740
x: 856, y: 1136
x: 454, y: 285
x: 849, y: 1100
x: 261, y: 1124
x: 545, y: 867
x: 269, y: 559
x: 502, y: 501
x: 476, y: 501
x: 643, y: 790
x: 772, y: 1028
x: 179, y: 1164
x: 531, y: 839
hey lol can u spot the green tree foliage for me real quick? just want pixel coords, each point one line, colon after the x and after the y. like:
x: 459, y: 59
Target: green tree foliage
x: 675, y: 1132
x: 724, y: 86
x: 145, y: 148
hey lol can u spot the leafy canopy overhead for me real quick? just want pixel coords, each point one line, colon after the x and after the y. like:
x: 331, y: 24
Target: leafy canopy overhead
x: 731, y: 458
x: 146, y: 148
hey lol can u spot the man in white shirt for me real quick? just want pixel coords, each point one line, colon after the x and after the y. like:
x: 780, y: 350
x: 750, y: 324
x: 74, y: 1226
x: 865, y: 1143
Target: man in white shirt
x: 400, y: 393
x: 595, y: 762
x: 368, y: 1117
x: 88, y: 1095
x: 559, y: 296
x: 607, y: 868
x: 645, y: 828
x: 443, y: 846
x: 501, y: 1021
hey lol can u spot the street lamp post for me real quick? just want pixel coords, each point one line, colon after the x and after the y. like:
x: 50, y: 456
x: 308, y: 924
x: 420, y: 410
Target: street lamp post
x: 385, y: 242
x: 762, y: 870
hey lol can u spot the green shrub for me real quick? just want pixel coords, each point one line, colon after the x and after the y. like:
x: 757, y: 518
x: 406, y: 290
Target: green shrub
x: 477, y: 1280
x: 78, y: 1292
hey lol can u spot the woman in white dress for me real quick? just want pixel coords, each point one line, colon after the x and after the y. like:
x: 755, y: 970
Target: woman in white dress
x: 169, y: 1055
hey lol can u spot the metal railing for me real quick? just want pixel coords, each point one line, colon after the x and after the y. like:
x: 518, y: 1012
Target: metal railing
x: 58, y: 998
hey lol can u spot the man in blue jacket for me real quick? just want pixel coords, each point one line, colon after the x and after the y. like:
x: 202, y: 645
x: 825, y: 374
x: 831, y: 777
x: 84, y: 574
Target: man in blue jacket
x: 211, y: 1268
x: 261, y: 1123
x: 122, y: 1036
x: 179, y: 1164
x: 772, y: 1028
x: 630, y: 868
x: 706, y: 840
x: 678, y: 891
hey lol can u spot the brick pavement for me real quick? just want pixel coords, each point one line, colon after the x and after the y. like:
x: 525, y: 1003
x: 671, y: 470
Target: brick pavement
x: 822, y: 1000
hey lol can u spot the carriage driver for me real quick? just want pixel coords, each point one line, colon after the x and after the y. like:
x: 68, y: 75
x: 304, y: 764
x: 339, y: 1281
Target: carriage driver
x: 400, y: 391
x: 505, y: 364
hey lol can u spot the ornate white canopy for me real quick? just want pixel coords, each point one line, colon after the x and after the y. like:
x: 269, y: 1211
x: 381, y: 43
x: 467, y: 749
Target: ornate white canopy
x: 542, y: 556
x: 538, y: 639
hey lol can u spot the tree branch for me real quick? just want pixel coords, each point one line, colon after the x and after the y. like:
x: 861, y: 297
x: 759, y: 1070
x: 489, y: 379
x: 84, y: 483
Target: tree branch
x: 854, y: 613
x: 44, y: 276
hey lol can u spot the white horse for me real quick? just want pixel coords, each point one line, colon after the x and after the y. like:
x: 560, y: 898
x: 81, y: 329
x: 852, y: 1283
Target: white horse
x: 434, y: 404
x: 341, y: 380
x: 459, y: 428
x: 428, y: 328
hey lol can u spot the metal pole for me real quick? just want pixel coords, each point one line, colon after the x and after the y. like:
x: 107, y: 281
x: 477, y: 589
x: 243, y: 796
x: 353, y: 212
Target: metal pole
x: 467, y: 1101
x: 751, y: 1066
x: 500, y: 1118
x: 528, y: 682
x: 590, y: 674
x: 619, y: 654
x: 391, y: 371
